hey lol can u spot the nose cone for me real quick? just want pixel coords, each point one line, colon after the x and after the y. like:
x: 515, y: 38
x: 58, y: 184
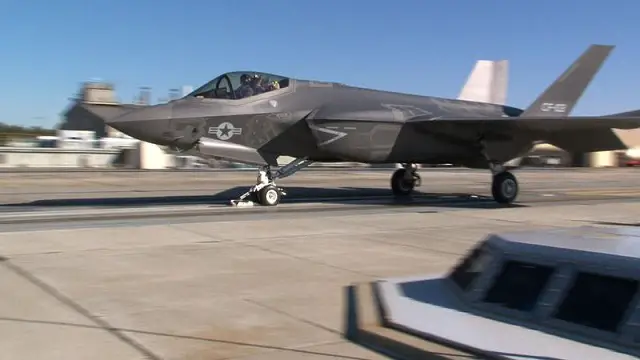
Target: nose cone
x: 146, y: 124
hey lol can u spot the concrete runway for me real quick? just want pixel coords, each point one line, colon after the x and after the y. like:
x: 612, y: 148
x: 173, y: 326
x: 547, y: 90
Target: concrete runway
x: 258, y: 283
x: 71, y: 199
x: 68, y: 189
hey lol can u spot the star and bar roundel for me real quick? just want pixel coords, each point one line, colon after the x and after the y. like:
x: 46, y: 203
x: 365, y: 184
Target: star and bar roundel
x: 224, y: 131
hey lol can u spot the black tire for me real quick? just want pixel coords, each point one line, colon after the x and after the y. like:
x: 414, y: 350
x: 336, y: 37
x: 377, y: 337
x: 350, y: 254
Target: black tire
x: 400, y: 185
x: 504, y: 188
x: 269, y: 196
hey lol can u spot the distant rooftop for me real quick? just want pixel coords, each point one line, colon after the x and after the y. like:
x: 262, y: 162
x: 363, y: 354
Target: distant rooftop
x: 97, y: 93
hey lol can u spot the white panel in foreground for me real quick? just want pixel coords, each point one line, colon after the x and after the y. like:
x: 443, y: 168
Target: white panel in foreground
x: 436, y: 312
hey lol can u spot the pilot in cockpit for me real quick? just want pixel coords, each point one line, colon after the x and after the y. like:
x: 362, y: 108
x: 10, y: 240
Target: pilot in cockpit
x: 244, y: 90
x: 253, y: 85
x: 256, y: 84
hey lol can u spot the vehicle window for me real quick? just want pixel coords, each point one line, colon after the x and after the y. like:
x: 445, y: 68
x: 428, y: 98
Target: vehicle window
x: 519, y: 285
x: 597, y: 301
x: 471, y: 266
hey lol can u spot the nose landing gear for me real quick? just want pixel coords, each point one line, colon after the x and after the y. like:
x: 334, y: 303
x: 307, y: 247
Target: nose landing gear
x: 269, y: 195
x: 265, y: 192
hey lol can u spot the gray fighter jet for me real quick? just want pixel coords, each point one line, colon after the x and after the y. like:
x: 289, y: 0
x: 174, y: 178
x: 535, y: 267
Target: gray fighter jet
x: 254, y: 118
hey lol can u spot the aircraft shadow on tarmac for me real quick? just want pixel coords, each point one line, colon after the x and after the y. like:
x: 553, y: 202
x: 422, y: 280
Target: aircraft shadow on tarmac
x: 351, y: 195
x: 615, y: 223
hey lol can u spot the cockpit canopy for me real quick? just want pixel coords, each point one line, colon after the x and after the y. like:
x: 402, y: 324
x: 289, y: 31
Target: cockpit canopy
x: 240, y: 85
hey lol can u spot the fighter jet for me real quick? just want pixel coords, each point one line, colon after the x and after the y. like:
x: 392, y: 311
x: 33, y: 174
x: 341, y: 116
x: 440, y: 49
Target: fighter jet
x: 254, y: 118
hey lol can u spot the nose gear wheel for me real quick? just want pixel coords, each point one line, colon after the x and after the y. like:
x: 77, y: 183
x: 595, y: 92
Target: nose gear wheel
x: 266, y: 192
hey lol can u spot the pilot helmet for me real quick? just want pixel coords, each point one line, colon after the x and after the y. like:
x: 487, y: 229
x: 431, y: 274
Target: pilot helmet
x: 245, y: 78
x: 254, y: 78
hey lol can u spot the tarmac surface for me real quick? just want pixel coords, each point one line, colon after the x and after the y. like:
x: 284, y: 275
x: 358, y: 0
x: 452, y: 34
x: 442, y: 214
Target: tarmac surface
x: 218, y: 282
x: 131, y: 188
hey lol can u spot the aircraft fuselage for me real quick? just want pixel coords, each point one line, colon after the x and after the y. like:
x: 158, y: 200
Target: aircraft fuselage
x: 325, y: 122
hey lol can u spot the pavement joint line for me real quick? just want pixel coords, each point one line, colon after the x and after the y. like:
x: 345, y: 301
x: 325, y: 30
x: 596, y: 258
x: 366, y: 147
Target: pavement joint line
x: 377, y: 232
x: 67, y: 301
x: 291, y: 316
x: 300, y: 350
x: 306, y: 259
x: 279, y: 311
x: 301, y: 258
x: 269, y: 348
x: 214, y: 240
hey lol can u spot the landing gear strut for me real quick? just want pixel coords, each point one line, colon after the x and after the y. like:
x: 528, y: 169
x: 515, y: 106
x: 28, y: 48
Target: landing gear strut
x: 265, y: 192
x: 504, y: 186
x: 404, y: 180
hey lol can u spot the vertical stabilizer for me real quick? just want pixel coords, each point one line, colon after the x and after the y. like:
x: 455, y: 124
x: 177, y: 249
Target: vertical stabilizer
x: 561, y: 97
x: 487, y: 82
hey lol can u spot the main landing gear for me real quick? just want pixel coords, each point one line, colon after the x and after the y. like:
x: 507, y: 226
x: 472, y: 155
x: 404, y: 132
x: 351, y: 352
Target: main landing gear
x: 504, y: 186
x: 266, y: 192
x: 405, y: 179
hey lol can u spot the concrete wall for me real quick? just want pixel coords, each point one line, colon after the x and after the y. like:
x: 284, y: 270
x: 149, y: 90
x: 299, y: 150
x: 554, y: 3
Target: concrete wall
x: 51, y: 157
x: 149, y: 157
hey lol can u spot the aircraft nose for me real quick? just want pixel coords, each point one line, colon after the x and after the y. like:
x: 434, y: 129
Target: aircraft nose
x: 146, y: 124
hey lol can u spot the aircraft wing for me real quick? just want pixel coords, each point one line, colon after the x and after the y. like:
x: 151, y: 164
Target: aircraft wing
x: 574, y: 134
x: 544, y: 124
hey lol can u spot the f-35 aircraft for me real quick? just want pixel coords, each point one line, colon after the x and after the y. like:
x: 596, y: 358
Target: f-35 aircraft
x: 254, y: 118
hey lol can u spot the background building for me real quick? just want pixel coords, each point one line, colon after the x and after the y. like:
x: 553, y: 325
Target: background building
x: 95, y: 102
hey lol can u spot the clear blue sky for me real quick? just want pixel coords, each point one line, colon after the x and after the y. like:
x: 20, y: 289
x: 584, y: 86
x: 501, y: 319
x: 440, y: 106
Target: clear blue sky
x: 419, y: 46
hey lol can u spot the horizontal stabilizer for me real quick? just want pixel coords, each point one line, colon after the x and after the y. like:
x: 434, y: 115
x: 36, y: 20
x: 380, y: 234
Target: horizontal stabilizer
x: 587, y: 141
x: 561, y: 97
x: 632, y: 113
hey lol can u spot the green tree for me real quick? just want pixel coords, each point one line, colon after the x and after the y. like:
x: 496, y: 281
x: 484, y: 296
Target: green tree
x: 8, y: 132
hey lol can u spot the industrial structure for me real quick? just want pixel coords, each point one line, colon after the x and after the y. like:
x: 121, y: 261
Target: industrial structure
x: 94, y: 102
x: 97, y: 101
